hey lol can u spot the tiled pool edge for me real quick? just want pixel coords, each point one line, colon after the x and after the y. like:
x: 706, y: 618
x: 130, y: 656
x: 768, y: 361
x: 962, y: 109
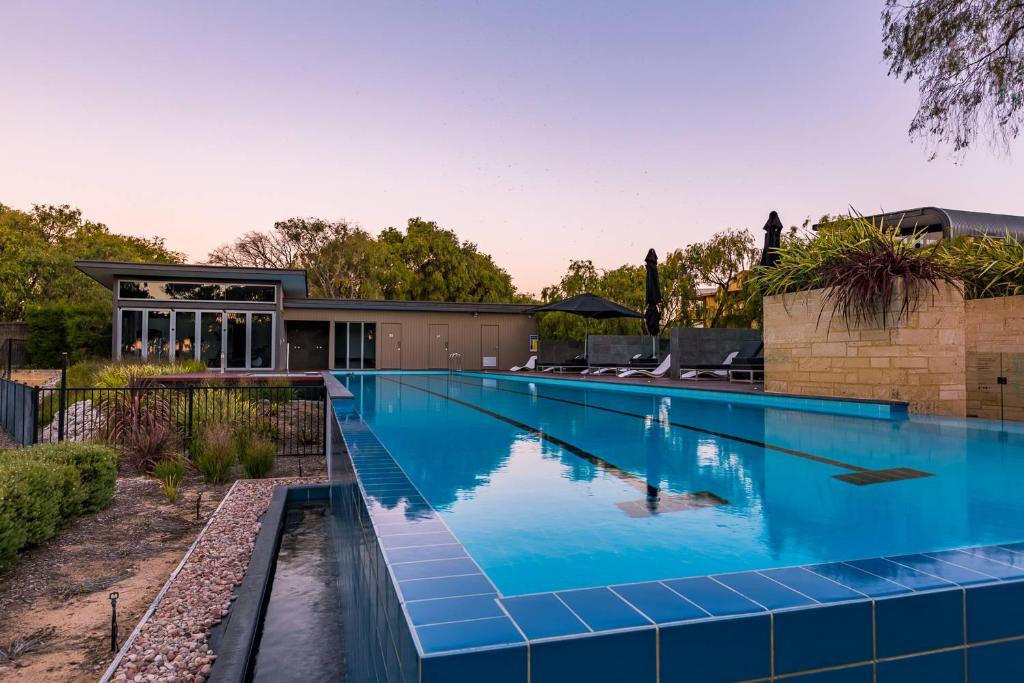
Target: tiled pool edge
x: 858, y: 640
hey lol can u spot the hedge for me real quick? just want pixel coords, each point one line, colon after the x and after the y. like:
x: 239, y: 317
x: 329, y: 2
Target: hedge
x: 83, y: 330
x: 44, y: 487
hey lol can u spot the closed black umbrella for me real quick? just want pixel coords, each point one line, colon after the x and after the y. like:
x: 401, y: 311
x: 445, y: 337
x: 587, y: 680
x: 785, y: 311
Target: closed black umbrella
x: 588, y: 306
x: 652, y: 314
x: 772, y: 240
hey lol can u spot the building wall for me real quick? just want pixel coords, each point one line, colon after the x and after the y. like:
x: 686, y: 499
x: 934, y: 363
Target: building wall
x: 995, y: 348
x: 922, y: 360
x: 464, y: 333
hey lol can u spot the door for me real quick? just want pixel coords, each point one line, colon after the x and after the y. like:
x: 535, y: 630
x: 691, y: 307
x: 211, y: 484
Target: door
x: 489, y: 346
x: 307, y: 344
x: 438, y: 347
x: 391, y: 346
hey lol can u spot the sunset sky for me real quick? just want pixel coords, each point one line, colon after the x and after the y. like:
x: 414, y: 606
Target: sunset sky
x: 541, y: 131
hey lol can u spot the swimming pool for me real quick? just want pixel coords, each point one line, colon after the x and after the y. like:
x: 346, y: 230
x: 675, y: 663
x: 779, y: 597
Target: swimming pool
x: 512, y: 511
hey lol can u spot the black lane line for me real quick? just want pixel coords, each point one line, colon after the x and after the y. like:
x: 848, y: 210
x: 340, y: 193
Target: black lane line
x: 628, y: 477
x: 692, y: 428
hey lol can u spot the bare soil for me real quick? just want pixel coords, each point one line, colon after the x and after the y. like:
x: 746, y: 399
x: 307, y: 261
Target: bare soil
x: 130, y: 547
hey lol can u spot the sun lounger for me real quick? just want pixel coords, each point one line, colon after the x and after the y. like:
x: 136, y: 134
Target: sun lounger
x: 748, y: 368
x: 530, y: 364
x: 658, y: 372
x: 575, y: 363
x: 699, y: 372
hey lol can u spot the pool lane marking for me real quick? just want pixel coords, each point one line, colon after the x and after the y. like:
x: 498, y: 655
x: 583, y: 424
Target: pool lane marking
x: 628, y: 477
x: 692, y: 428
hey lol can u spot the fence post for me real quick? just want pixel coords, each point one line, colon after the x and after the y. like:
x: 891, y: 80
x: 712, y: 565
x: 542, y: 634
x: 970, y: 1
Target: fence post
x: 35, y: 417
x: 62, y: 402
x: 10, y: 357
x: 188, y: 421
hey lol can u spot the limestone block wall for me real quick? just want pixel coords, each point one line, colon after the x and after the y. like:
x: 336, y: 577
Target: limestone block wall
x: 995, y: 348
x: 921, y: 360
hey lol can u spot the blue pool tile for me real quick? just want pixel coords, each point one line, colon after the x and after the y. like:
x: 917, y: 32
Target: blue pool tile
x: 996, y: 663
x: 763, y: 590
x: 812, y: 585
x: 441, y: 610
x: 543, y: 616
x: 944, y: 570
x: 995, y: 611
x: 395, y: 489
x: 998, y: 554
x: 911, y: 623
x: 501, y: 665
x: 448, y: 587
x: 979, y: 564
x: 465, y: 634
x: 713, y: 597
x: 622, y: 656
x: 940, y: 667
x: 414, y: 526
x: 1015, y: 547
x: 823, y: 636
x: 659, y: 603
x: 904, y: 576
x: 728, y: 649
x: 847, y: 674
x: 411, y: 540
x: 426, y: 552
x: 434, y: 568
x: 602, y: 610
x: 857, y: 579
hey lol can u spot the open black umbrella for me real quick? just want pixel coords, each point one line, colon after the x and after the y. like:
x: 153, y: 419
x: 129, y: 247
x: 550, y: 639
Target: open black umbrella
x: 652, y: 314
x: 588, y: 306
x: 772, y: 240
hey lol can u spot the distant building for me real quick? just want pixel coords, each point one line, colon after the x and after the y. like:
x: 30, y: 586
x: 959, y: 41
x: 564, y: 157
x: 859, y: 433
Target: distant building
x: 252, y: 319
x: 937, y: 224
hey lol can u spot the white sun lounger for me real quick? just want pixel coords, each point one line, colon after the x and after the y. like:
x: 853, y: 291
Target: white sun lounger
x: 531, y: 364
x: 711, y: 374
x: 656, y: 373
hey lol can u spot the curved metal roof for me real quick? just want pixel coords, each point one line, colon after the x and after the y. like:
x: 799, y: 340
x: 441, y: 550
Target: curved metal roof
x: 952, y: 222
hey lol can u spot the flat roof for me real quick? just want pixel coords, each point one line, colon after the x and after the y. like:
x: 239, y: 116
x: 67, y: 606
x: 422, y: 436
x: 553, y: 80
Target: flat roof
x: 412, y: 306
x: 293, y: 281
x: 952, y: 222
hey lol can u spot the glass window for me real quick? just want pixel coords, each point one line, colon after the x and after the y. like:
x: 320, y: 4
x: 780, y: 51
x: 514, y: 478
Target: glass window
x: 158, y: 335
x: 369, y: 345
x: 195, y: 291
x: 184, y: 335
x: 236, y: 340
x: 262, y: 346
x: 209, y: 339
x: 131, y: 334
x: 355, y: 346
x: 341, y: 345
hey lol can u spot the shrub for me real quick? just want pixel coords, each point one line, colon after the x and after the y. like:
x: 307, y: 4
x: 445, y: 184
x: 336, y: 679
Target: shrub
x: 143, y: 426
x: 129, y: 373
x: 215, y: 453
x: 257, y: 457
x: 169, y: 473
x: 95, y: 464
x: 864, y: 267
x: 989, y: 266
x: 83, y: 330
x: 44, y: 487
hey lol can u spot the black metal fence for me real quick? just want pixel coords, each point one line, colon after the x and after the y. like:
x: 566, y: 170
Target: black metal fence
x: 291, y: 415
x: 13, y: 356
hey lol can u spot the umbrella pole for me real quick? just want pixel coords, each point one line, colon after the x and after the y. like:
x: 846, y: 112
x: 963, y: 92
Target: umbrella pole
x: 586, y: 339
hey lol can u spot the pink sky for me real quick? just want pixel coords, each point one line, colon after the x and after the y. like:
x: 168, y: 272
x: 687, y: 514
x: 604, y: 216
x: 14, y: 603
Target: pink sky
x: 542, y: 132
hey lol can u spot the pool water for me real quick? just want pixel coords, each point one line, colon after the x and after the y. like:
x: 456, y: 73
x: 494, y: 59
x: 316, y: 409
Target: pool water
x: 555, y: 485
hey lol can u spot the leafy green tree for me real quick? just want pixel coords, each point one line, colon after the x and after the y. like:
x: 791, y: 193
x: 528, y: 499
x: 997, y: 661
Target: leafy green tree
x: 722, y: 261
x: 968, y: 58
x: 38, y: 249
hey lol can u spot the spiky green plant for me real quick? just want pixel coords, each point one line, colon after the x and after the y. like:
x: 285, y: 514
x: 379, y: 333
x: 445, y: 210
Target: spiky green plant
x: 989, y: 266
x: 170, y: 472
x: 871, y: 274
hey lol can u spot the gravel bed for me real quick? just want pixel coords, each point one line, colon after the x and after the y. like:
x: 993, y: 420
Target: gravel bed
x: 172, y: 645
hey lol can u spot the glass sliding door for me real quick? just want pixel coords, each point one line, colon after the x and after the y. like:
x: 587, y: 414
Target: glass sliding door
x: 210, y: 338
x: 236, y: 341
x: 340, y: 345
x: 131, y: 343
x: 369, y: 346
x: 184, y: 335
x: 355, y: 346
x: 158, y: 335
x: 261, y: 345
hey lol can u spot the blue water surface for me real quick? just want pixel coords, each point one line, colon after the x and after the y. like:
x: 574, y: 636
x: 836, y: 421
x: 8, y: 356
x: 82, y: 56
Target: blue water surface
x: 547, y: 483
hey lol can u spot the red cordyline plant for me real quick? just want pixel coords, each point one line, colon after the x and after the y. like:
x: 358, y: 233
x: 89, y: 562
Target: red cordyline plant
x: 142, y: 425
x: 871, y: 274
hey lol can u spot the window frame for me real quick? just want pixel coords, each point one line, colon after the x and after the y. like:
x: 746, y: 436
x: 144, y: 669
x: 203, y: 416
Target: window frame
x: 272, y: 285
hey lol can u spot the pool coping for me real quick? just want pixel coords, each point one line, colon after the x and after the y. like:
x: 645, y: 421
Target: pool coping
x: 382, y: 482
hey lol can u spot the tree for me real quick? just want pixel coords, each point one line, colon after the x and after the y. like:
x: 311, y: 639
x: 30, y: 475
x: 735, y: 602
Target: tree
x: 721, y: 261
x: 38, y: 249
x: 968, y: 57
